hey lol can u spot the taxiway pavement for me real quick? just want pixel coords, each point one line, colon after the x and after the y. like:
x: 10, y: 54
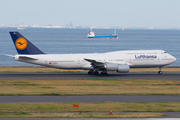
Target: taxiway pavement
x: 90, y: 98
x: 131, y: 76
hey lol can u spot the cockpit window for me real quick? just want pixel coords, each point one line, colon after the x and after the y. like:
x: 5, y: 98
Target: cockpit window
x: 165, y: 52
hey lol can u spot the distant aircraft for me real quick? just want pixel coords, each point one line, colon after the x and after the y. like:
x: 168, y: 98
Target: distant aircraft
x: 120, y: 61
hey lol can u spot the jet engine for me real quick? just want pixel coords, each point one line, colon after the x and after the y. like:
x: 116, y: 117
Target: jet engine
x: 121, y: 68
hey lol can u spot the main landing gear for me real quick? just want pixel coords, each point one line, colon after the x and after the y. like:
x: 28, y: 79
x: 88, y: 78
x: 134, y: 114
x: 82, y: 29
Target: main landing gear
x: 159, y: 72
x: 91, y: 72
x: 104, y: 73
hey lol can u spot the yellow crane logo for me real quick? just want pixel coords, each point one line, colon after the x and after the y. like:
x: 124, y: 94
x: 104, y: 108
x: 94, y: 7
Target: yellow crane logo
x: 21, y: 43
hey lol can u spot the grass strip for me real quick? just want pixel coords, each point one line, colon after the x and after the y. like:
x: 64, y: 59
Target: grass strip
x: 81, y: 115
x: 100, y: 110
x: 89, y: 87
x: 90, y: 107
x: 53, y: 70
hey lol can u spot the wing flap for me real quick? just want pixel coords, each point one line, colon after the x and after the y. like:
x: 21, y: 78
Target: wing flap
x: 96, y: 64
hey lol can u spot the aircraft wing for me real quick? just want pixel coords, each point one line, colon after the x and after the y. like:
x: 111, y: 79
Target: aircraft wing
x: 96, y: 64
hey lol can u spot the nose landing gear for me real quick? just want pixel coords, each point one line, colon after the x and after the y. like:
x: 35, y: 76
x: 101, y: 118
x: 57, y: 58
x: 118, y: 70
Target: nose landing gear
x: 159, y: 72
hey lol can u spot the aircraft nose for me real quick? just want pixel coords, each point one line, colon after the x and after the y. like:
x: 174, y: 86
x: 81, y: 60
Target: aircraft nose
x: 173, y: 58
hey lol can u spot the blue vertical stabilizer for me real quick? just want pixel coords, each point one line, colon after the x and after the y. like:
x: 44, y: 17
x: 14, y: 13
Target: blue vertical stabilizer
x: 23, y: 46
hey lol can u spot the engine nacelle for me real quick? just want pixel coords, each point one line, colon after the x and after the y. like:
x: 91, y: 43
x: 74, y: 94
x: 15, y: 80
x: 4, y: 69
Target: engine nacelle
x: 122, y: 68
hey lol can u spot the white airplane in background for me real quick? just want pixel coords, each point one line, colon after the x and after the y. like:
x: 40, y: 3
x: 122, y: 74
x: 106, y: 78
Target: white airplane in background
x: 120, y: 61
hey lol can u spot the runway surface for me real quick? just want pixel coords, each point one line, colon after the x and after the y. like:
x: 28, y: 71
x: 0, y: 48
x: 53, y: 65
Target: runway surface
x: 149, y: 76
x: 89, y: 98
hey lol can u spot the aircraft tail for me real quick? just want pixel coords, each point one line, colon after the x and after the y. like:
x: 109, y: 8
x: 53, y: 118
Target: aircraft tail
x: 23, y: 46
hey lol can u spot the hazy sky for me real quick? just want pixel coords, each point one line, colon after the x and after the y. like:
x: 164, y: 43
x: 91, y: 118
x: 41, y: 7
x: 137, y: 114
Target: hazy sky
x: 126, y: 13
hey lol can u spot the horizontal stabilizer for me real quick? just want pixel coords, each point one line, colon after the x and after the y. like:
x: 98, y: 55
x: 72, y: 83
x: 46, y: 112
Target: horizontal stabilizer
x: 26, y: 58
x: 9, y: 55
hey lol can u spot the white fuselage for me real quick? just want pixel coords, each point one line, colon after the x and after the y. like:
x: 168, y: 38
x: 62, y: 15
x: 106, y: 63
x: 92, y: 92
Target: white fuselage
x: 133, y: 58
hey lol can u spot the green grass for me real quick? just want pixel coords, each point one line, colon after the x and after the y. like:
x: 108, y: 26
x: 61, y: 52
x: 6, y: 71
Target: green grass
x: 87, y: 109
x: 89, y: 87
x: 90, y: 107
x: 81, y: 115
x: 54, y: 70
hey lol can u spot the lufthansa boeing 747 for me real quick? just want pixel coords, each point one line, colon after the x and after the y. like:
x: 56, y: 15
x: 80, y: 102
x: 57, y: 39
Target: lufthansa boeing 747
x: 120, y: 61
